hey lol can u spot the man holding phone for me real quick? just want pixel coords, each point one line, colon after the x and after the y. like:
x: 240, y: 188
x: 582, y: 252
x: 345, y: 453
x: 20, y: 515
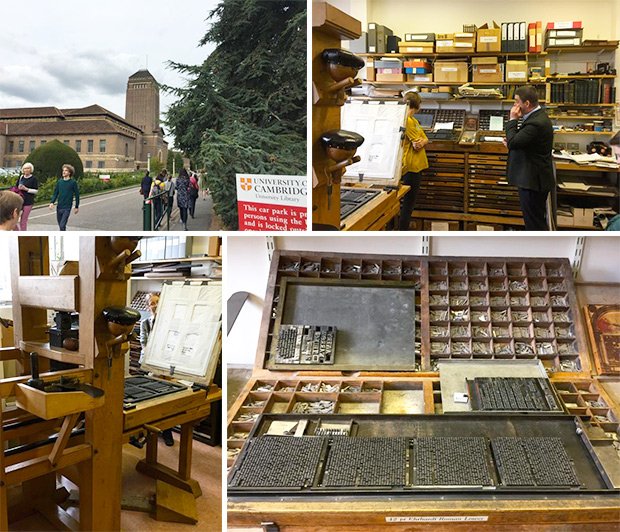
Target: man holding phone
x: 529, y: 139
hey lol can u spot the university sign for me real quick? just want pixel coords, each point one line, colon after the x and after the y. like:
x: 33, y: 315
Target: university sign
x: 272, y: 203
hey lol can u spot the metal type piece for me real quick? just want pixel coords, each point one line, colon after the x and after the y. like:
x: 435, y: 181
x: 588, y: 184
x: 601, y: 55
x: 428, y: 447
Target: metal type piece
x: 533, y: 462
x: 501, y: 315
x: 366, y: 462
x: 450, y: 462
x: 142, y: 388
x: 315, y: 407
x: 35, y: 381
x: 512, y: 394
x: 279, y: 461
x: 306, y: 344
x: 459, y: 315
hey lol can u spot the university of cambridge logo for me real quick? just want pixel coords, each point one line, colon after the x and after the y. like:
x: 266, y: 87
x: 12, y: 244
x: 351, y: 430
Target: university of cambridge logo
x: 246, y: 183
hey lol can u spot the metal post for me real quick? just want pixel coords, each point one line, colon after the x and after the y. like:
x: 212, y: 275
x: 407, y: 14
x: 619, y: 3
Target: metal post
x: 576, y: 264
x: 146, y: 216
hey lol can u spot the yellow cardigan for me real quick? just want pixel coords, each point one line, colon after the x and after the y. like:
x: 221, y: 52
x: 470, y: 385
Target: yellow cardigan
x: 413, y: 160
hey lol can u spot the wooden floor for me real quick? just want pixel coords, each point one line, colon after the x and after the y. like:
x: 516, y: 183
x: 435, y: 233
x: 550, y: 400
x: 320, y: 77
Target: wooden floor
x: 207, y: 470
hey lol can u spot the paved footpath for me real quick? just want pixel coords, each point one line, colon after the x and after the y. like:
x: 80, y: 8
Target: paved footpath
x: 119, y: 211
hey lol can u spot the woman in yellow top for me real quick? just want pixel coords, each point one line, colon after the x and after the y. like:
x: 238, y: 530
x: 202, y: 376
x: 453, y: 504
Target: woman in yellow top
x: 414, y: 160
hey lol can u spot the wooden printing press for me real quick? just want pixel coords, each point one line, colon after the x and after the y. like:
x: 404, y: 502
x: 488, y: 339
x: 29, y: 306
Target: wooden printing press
x: 398, y: 392
x: 71, y: 422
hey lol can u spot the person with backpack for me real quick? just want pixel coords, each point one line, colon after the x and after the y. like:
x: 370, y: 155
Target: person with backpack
x: 66, y: 189
x: 158, y: 186
x: 27, y: 187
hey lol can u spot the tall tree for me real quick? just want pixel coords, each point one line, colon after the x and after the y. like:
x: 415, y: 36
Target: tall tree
x: 244, y: 108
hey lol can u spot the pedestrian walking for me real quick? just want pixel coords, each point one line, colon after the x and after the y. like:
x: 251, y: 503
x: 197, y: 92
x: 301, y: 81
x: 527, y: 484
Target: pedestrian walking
x: 157, y: 188
x: 183, y: 187
x: 193, y: 194
x: 145, y: 185
x: 65, y: 191
x: 202, y: 183
x: 27, y: 186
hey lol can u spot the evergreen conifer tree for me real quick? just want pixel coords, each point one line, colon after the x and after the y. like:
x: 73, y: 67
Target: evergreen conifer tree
x: 244, y: 108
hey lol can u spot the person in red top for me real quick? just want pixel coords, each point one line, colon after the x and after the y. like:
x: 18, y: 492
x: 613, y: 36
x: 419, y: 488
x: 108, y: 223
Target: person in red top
x: 193, y: 193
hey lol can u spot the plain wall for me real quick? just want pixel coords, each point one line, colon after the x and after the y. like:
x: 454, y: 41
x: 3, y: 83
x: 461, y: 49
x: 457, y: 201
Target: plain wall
x: 247, y: 265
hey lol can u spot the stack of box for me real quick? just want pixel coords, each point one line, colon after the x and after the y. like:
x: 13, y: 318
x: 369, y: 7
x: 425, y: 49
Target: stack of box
x: 418, y: 70
x: 444, y: 43
x: 451, y: 72
x: 535, y: 37
x: 516, y: 70
x: 465, y: 42
x: 487, y: 70
x: 389, y: 70
x: 564, y: 34
x: 489, y: 39
x: 514, y: 37
x: 419, y: 43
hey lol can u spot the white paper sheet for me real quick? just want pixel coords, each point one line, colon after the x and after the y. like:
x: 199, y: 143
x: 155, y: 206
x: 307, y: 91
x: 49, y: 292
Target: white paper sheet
x: 496, y: 123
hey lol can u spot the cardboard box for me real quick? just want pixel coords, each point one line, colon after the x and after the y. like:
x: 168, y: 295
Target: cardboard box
x: 213, y: 250
x: 370, y: 69
x: 489, y: 39
x: 489, y: 73
x: 465, y: 41
x: 416, y: 47
x: 451, y: 72
x: 390, y: 77
x: 388, y: 63
x: 444, y: 43
x: 419, y: 37
x: 583, y: 217
x: 420, y: 78
x: 565, y: 221
x: 435, y: 225
x: 492, y: 60
x: 516, y: 70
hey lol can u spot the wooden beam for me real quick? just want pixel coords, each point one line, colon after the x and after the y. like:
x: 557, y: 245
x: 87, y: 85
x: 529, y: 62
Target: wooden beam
x: 7, y: 386
x: 38, y: 467
x: 175, y: 505
x: 185, y: 451
x: 44, y: 349
x: 54, y: 405
x: 49, y: 292
x: 40, y: 427
x: 4, y: 515
x: 63, y: 438
x: 10, y: 353
x: 161, y: 472
x: 38, y: 452
x: 61, y: 519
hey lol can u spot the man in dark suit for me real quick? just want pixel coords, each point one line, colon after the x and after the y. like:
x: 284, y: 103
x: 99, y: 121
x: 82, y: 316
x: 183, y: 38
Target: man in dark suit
x: 530, y: 164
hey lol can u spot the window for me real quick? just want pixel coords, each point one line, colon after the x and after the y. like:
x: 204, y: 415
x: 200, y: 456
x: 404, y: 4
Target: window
x: 100, y: 164
x: 11, y: 146
x: 91, y: 146
x: 89, y: 164
x: 31, y: 146
x: 102, y: 146
x: 78, y: 146
x: 43, y: 142
x: 21, y: 146
x: 126, y: 150
x: 67, y: 142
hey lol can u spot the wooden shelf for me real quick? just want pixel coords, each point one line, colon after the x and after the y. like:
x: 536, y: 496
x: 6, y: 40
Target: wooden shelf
x: 444, y: 83
x: 165, y: 261
x: 581, y: 117
x: 582, y: 49
x: 581, y: 104
x: 583, y: 168
x: 583, y: 76
x: 175, y: 278
x: 55, y: 353
x: 608, y: 133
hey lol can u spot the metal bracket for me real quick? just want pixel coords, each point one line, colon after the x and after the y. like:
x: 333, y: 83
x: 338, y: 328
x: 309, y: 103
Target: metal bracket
x: 578, y: 256
x: 271, y: 246
x: 426, y: 246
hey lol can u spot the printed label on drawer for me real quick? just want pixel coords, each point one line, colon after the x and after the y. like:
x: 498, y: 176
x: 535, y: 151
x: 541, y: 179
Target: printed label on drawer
x: 464, y: 44
x: 418, y: 37
x: 449, y: 69
x: 414, y: 49
x: 438, y: 519
x: 516, y: 75
x: 445, y: 43
x: 488, y: 70
x: 492, y: 38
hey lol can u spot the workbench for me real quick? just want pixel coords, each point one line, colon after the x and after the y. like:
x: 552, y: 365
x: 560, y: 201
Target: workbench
x: 369, y: 391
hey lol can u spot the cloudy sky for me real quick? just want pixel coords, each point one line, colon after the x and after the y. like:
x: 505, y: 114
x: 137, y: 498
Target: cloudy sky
x: 67, y: 55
